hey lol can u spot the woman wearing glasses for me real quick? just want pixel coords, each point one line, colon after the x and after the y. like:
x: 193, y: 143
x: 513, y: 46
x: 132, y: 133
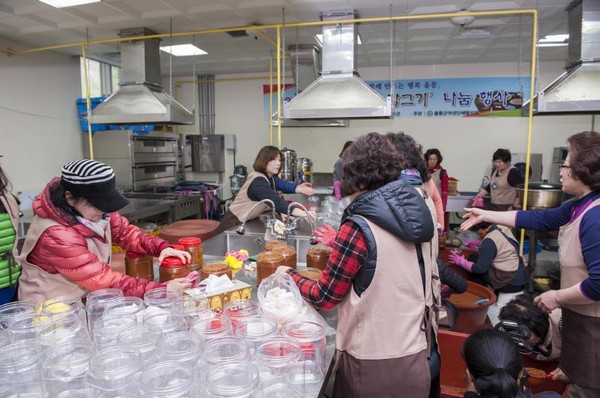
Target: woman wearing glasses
x: 503, y: 183
x: 579, y: 295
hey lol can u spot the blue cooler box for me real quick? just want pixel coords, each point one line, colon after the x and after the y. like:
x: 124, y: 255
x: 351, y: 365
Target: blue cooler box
x: 83, y: 119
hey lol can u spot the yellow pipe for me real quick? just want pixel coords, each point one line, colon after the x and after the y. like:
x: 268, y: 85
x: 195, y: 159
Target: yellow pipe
x: 279, y: 26
x: 271, y: 101
x: 88, y: 104
x: 279, y: 88
x: 530, y: 122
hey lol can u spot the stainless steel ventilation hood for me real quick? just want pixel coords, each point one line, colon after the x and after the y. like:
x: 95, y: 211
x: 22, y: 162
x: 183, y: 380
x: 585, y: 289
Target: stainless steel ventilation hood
x: 339, y: 92
x: 577, y: 90
x: 140, y: 98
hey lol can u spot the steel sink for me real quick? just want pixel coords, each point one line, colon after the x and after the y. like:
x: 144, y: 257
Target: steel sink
x: 254, y: 243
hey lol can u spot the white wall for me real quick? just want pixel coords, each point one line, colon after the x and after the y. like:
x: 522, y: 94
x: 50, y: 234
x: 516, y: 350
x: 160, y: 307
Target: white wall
x: 40, y: 128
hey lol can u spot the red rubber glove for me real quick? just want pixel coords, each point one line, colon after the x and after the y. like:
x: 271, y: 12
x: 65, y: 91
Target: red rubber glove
x: 477, y: 202
x: 337, y: 189
x: 461, y: 261
x: 325, y: 235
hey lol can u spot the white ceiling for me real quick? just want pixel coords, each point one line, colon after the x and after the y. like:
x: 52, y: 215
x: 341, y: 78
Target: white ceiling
x: 424, y: 42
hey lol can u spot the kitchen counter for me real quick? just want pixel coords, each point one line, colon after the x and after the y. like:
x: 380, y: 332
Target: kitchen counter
x: 457, y: 203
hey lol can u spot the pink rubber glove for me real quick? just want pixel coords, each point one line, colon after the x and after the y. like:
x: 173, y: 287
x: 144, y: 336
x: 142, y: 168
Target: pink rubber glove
x: 472, y: 244
x: 325, y: 235
x: 337, y: 189
x: 477, y: 202
x: 461, y: 261
x: 193, y: 277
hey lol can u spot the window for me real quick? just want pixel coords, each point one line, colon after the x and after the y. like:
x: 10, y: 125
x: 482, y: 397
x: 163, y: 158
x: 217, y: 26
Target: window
x: 103, y: 78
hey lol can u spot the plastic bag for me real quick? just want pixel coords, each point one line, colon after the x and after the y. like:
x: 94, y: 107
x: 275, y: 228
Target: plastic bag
x: 279, y: 297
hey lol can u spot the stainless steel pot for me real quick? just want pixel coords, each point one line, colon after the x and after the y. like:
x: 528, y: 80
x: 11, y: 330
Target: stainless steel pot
x: 541, y: 195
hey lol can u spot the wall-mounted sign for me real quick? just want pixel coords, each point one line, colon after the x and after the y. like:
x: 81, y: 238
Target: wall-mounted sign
x: 452, y: 97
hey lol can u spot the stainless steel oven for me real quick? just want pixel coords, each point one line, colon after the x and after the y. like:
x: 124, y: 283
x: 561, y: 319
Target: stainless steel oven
x: 140, y: 162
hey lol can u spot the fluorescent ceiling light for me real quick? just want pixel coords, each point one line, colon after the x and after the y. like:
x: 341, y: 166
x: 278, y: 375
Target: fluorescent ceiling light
x: 183, y: 50
x: 68, y: 3
x: 319, y: 37
x: 554, y: 41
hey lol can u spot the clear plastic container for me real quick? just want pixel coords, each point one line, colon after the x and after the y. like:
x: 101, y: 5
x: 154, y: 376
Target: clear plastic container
x: 65, y: 305
x: 280, y: 388
x: 216, y: 269
x: 194, y: 247
x: 20, y: 369
x: 311, y: 336
x: 173, y: 268
x: 240, y: 380
x: 305, y: 377
x: 108, y: 327
x: 22, y: 326
x: 255, y: 330
x: 273, y: 244
x: 167, y: 379
x: 139, y: 265
x: 96, y: 302
x: 276, y: 356
x: 127, y: 306
x: 266, y: 264
x: 211, y: 327
x: 144, y: 337
x: 289, y: 255
x: 115, y: 371
x: 168, y: 322
x: 9, y: 310
x: 65, y: 365
x: 191, y: 308
x: 59, y: 328
x: 317, y: 257
x: 159, y: 297
x: 182, y: 347
x: 224, y: 350
x: 239, y: 309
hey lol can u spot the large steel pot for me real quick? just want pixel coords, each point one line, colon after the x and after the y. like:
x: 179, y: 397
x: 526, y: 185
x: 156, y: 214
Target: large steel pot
x: 541, y: 195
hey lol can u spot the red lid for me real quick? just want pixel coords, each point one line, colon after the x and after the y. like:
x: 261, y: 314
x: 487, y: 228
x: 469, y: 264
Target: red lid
x: 172, y: 262
x: 134, y: 255
x: 178, y: 247
x: 190, y: 242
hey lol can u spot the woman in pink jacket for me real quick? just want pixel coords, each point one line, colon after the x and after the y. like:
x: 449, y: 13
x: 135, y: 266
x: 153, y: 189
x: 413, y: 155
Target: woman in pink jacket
x: 68, y: 247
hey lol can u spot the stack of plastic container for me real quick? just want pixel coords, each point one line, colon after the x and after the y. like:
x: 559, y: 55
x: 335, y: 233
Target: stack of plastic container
x: 162, y: 346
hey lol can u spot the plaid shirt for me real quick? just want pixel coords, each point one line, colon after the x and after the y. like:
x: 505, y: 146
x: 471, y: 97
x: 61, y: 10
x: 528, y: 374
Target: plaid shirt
x: 348, y: 254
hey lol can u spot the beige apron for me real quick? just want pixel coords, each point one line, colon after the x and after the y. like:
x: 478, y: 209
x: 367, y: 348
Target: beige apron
x: 37, y: 285
x: 501, y: 192
x: 580, y: 355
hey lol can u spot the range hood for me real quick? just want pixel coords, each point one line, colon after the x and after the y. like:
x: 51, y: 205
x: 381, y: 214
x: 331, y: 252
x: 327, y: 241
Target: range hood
x: 577, y: 90
x: 140, y: 98
x: 338, y: 92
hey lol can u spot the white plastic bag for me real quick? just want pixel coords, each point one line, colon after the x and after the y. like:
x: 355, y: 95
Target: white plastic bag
x: 279, y: 297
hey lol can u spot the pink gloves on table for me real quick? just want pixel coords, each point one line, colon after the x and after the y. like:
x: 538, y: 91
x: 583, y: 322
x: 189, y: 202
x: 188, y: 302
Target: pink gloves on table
x: 472, y: 244
x: 477, y: 202
x: 337, y: 189
x: 325, y: 235
x: 461, y: 261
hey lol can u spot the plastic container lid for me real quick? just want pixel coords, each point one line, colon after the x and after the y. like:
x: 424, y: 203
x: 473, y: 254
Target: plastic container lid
x: 192, y: 241
x: 178, y: 247
x: 172, y: 262
x: 134, y: 255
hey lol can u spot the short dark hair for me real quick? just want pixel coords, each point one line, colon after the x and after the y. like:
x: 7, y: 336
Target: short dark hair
x: 523, y: 311
x: 502, y: 154
x: 346, y: 145
x: 411, y: 151
x: 370, y: 163
x: 481, y: 225
x: 494, y: 362
x: 265, y: 155
x: 433, y: 151
x: 584, y: 154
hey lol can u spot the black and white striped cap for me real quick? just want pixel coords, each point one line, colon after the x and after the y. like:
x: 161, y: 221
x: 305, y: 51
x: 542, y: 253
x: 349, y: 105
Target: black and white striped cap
x: 94, y: 181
